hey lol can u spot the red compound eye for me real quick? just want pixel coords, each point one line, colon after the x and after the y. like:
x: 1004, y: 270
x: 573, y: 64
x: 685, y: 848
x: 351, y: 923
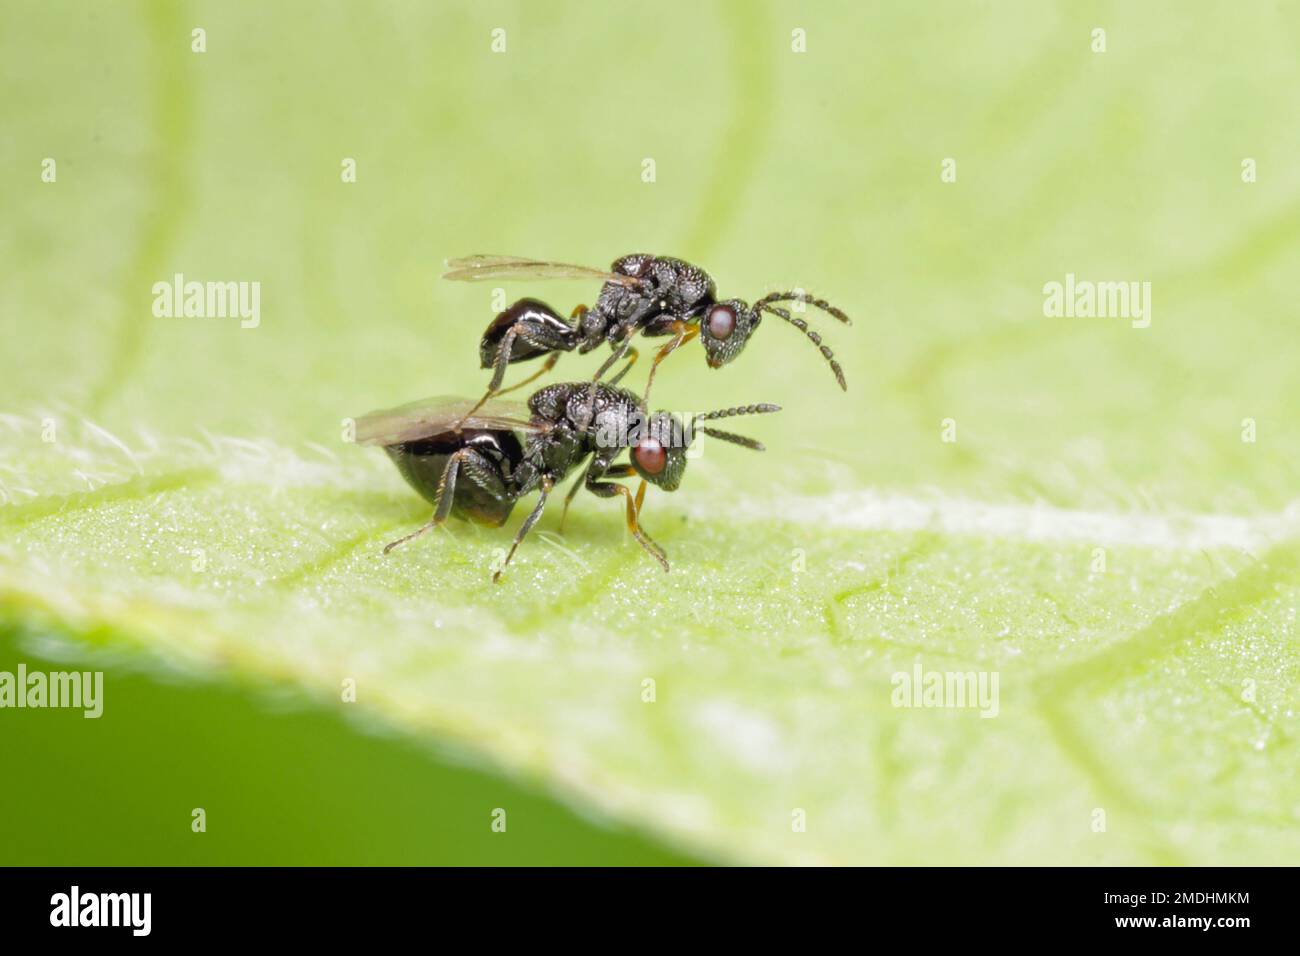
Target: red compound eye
x: 722, y: 321
x: 650, y: 456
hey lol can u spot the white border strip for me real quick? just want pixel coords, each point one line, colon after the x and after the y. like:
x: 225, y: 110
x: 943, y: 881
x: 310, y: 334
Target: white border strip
x: 872, y: 511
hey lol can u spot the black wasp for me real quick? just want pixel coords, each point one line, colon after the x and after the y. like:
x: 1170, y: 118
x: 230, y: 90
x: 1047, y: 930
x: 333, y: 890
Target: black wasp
x: 475, y: 462
x: 652, y: 295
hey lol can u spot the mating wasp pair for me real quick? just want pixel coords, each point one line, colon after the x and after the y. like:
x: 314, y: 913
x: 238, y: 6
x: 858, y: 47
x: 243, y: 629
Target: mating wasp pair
x: 475, y: 460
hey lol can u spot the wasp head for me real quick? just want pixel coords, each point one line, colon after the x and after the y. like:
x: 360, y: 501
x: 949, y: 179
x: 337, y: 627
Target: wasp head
x: 658, y: 451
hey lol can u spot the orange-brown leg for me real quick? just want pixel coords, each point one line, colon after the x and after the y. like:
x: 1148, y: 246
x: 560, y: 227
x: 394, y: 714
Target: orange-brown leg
x: 684, y: 333
x: 634, y: 525
x: 598, y: 470
x: 620, y: 471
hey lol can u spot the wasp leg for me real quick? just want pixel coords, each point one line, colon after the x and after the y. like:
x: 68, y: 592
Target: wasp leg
x: 608, y: 489
x: 414, y: 534
x: 546, y: 367
x: 685, y: 333
x: 568, y: 499
x: 620, y: 471
x: 498, y: 375
x: 632, y: 356
x: 541, y: 337
x: 547, y: 485
x: 503, y: 359
x: 629, y: 472
x: 446, y: 496
x: 620, y: 350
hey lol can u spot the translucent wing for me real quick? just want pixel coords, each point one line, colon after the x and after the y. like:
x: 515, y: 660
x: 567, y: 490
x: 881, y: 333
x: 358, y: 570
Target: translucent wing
x: 475, y: 268
x: 433, y: 416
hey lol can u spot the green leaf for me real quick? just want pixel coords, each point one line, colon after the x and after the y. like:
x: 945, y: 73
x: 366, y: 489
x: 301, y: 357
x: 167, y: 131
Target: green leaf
x: 1099, y: 536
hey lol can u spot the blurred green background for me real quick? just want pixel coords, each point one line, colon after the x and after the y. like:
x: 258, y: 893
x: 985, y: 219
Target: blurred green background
x: 773, y: 168
x: 278, y: 782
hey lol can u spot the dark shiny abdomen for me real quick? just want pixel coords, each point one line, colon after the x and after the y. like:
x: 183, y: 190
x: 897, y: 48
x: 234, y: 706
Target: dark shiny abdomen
x: 483, y: 493
x: 539, y: 314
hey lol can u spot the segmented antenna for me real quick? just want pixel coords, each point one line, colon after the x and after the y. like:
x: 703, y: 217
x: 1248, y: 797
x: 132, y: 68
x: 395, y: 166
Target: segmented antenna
x: 762, y: 408
x: 802, y: 326
x: 733, y: 438
x: 803, y: 297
